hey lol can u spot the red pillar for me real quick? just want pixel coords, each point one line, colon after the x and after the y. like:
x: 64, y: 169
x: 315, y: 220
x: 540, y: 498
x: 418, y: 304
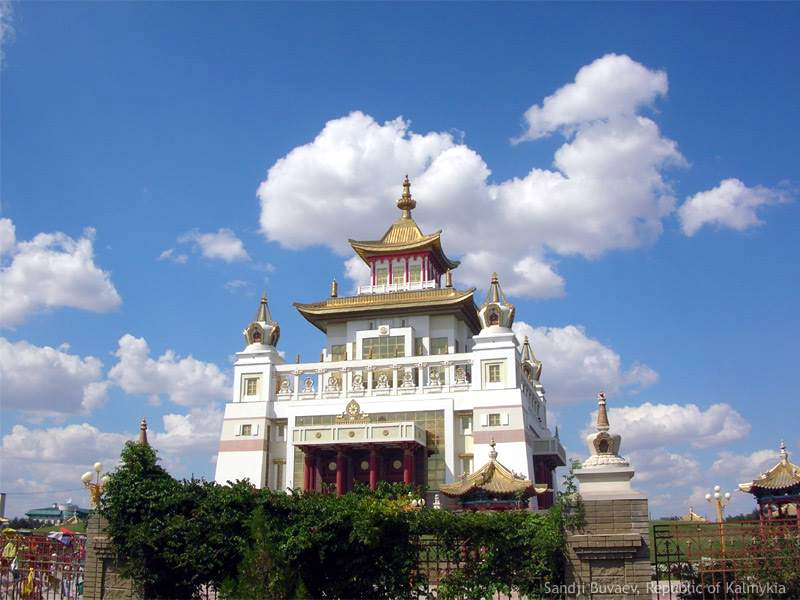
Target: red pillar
x: 408, y: 465
x: 308, y: 472
x: 373, y: 468
x: 341, y: 472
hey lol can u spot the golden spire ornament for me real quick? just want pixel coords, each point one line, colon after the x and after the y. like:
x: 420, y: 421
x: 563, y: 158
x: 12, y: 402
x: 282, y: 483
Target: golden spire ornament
x: 406, y: 203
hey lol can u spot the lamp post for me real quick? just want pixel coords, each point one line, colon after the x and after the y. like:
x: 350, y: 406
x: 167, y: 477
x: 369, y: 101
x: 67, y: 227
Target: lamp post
x: 94, y: 483
x: 720, y: 501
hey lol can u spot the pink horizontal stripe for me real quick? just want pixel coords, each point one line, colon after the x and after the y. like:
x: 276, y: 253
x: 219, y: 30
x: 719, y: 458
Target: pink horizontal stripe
x: 242, y: 445
x: 502, y: 435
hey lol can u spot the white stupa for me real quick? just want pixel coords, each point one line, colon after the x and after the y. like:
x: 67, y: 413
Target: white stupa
x: 605, y: 474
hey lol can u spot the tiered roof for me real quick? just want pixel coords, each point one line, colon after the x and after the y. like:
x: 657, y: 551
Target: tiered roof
x: 495, y: 480
x: 781, y: 478
x: 404, y: 235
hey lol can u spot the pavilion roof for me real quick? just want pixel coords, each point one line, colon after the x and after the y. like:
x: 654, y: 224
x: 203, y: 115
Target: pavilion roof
x: 494, y: 479
x: 782, y: 476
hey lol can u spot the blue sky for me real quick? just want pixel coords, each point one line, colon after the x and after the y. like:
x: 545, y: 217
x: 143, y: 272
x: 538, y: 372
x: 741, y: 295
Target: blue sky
x: 155, y: 125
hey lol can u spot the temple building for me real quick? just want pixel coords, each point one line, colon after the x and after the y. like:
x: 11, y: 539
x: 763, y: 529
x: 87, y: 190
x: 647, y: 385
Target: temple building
x: 413, y: 383
x: 777, y: 491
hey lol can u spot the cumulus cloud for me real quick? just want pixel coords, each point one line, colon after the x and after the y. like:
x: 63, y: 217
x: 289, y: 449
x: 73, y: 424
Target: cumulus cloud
x: 650, y: 426
x: 662, y: 468
x: 744, y: 467
x: 46, y: 381
x: 39, y: 460
x: 576, y: 366
x: 186, y: 381
x: 731, y: 204
x: 606, y: 192
x: 611, y: 86
x: 51, y: 270
x: 6, y: 28
x: 221, y: 245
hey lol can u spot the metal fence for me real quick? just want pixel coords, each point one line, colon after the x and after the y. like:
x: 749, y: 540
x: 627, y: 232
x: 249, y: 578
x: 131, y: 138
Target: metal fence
x: 725, y: 561
x: 42, y: 568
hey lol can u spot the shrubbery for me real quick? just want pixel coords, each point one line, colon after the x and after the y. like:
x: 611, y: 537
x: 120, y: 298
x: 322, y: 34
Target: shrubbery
x: 175, y: 537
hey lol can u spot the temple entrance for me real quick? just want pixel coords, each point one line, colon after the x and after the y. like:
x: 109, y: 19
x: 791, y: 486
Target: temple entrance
x: 337, y: 469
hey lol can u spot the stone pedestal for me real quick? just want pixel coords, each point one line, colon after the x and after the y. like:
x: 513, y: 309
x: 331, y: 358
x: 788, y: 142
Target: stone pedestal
x: 609, y: 558
x: 102, y: 580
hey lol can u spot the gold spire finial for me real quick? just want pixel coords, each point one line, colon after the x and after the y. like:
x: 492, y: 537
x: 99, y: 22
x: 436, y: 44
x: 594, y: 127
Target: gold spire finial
x: 448, y: 278
x: 406, y: 203
x: 492, y: 452
x: 263, y: 310
x: 602, y: 415
x: 334, y: 288
x: 143, y: 432
x: 784, y: 454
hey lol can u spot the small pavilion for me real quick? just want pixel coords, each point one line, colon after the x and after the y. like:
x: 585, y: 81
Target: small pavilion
x: 492, y: 487
x: 777, y: 491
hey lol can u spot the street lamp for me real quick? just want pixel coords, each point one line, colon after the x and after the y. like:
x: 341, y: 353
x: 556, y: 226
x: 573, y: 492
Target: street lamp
x: 95, y: 487
x: 719, y: 500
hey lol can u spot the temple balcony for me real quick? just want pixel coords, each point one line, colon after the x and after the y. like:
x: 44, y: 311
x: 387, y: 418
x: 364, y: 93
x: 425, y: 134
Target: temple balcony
x: 408, y: 286
x: 359, y: 434
x: 375, y: 377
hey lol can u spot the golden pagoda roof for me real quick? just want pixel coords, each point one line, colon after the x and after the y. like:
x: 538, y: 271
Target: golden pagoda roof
x: 784, y: 475
x: 404, y: 235
x: 492, y: 478
x: 436, y: 300
x: 693, y: 516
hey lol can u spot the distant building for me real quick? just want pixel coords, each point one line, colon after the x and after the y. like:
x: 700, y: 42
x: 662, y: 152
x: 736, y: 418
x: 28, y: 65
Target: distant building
x: 57, y: 513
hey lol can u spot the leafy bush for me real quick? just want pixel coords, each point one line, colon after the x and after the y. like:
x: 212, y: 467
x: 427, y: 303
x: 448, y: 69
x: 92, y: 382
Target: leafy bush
x: 175, y: 537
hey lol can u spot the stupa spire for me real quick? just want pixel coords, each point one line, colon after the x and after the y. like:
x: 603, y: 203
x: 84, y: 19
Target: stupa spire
x: 602, y: 415
x: 143, y: 432
x: 406, y: 203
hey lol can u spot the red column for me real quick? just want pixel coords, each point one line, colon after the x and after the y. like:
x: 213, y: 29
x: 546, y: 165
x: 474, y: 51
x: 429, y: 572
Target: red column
x: 373, y: 468
x: 341, y: 472
x: 408, y: 465
x: 308, y: 472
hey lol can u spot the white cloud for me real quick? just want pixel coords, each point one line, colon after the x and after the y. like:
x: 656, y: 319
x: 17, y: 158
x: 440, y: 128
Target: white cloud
x: 52, y: 270
x: 730, y: 204
x: 222, y: 245
x: 606, y: 192
x: 656, y: 425
x: 662, y: 468
x: 46, y: 381
x: 613, y: 85
x: 6, y: 28
x: 744, y: 467
x: 37, y: 461
x: 576, y: 367
x: 7, y: 236
x: 187, y: 381
x: 172, y: 256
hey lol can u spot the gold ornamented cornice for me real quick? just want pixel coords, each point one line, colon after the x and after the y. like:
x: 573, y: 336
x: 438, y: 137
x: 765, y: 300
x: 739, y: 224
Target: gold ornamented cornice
x: 435, y: 300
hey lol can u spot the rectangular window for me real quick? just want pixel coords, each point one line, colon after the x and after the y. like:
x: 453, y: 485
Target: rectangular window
x: 466, y: 465
x: 247, y: 429
x: 279, y: 476
x: 415, y: 273
x: 419, y: 347
x: 466, y: 424
x: 494, y: 419
x: 456, y: 346
x: 387, y: 346
x: 439, y: 345
x: 280, y: 431
x: 339, y: 352
x: 398, y: 274
x: 494, y: 374
x: 251, y: 386
x: 381, y: 276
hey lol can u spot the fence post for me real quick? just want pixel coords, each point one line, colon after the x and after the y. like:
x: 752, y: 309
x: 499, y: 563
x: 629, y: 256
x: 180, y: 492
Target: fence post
x: 102, y: 577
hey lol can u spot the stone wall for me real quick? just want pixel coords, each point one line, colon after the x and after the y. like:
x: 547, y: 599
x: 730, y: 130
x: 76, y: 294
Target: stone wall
x: 102, y: 579
x: 609, y: 557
